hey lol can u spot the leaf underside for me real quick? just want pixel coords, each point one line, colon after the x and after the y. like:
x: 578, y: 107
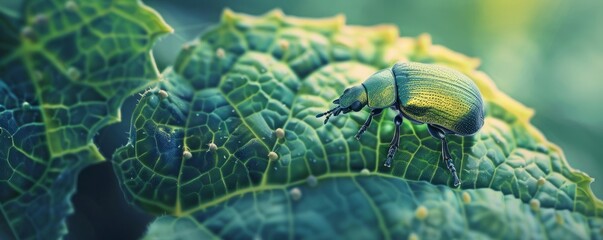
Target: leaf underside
x: 66, y: 67
x: 239, y: 82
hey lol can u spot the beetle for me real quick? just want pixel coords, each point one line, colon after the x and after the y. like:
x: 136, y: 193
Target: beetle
x: 443, y: 98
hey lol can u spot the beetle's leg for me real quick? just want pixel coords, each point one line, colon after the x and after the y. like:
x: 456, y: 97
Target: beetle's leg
x: 366, y: 124
x: 439, y: 134
x: 393, y: 146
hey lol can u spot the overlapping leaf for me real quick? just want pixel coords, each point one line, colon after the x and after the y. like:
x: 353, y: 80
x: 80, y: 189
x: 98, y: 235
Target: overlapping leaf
x: 238, y: 83
x: 66, y: 67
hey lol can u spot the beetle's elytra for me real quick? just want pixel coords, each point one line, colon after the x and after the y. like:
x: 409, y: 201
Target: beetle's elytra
x: 443, y: 98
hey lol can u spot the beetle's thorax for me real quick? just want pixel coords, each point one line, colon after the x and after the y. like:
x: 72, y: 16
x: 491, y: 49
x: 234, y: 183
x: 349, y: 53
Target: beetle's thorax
x: 381, y: 89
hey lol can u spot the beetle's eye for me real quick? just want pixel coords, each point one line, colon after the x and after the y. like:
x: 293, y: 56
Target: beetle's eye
x: 356, y: 106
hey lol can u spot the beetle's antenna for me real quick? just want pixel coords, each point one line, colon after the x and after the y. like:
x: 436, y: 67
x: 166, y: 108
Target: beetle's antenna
x: 329, y: 113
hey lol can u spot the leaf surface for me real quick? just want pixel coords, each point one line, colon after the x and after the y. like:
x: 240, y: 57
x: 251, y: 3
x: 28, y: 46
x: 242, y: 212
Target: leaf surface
x: 66, y: 67
x: 238, y: 83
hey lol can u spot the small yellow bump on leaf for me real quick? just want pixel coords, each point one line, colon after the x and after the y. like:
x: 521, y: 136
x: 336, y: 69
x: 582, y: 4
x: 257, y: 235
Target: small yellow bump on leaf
x: 423, y: 43
x: 466, y: 198
x: 37, y: 75
x: 220, y: 53
x: 74, y: 73
x: 421, y: 212
x: 277, y: 14
x: 535, y: 205
x: 187, y: 155
x: 25, y: 106
x: 228, y: 16
x: 163, y: 94
x: 413, y: 236
x: 558, y: 219
x: 295, y: 193
x: 284, y: 44
x: 272, y: 156
x: 365, y: 172
x: 40, y: 19
x: 312, y: 181
x: 71, y: 5
x: 541, y: 181
x: 212, y: 147
x: 28, y: 33
x: 187, y: 46
x: 280, y: 133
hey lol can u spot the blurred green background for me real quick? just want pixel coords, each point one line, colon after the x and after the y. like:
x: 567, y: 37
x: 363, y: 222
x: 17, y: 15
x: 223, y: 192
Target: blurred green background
x: 546, y: 54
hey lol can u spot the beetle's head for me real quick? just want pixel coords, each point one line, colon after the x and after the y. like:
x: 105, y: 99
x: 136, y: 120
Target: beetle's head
x: 352, y: 99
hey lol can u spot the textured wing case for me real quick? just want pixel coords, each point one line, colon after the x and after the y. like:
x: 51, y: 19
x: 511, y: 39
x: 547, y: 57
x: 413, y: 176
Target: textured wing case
x: 438, y: 95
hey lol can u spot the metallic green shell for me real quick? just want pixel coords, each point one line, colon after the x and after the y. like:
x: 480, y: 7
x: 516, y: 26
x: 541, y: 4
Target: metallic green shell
x: 381, y: 89
x: 439, y: 95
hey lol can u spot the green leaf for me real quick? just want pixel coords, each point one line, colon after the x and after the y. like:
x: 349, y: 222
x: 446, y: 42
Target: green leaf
x: 241, y: 81
x: 376, y: 207
x: 66, y: 67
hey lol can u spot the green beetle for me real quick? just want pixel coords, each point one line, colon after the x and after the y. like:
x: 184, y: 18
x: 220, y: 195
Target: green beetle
x: 443, y: 98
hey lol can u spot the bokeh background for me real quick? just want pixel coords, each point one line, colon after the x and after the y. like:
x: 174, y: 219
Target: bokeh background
x: 547, y: 54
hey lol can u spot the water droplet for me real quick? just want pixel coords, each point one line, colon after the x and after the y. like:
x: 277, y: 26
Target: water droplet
x: 224, y: 156
x: 153, y: 101
x: 232, y: 110
x: 197, y: 114
x: 365, y: 172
